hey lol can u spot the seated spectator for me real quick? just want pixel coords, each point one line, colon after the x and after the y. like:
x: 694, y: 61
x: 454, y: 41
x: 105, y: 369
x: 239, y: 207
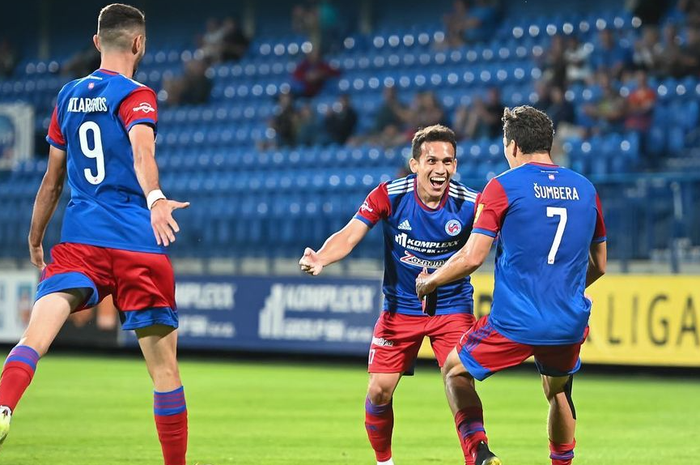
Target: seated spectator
x: 424, y: 111
x: 82, y: 63
x: 560, y: 110
x: 670, y: 56
x: 608, y: 113
x: 640, y: 105
x: 481, y: 21
x: 209, y: 44
x: 483, y: 120
x: 304, y: 20
x: 577, y: 57
x: 307, y: 129
x: 311, y: 74
x: 609, y: 56
x: 341, y: 120
x: 8, y: 58
x: 192, y: 88
x: 647, y: 49
x: 554, y: 63
x: 389, y: 128
x: 455, y: 24
x: 234, y: 43
x: 284, y: 122
x: 690, y: 53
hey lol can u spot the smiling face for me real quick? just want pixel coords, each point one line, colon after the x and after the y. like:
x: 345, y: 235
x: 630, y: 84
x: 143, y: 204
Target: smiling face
x: 434, y: 169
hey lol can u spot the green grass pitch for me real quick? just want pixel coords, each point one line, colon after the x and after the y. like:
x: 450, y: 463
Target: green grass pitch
x: 98, y: 410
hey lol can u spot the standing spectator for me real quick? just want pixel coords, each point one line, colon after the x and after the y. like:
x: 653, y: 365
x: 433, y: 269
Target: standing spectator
x: 609, y: 56
x: 341, y: 120
x: 640, y: 105
x: 577, y: 56
x: 608, y: 112
x: 234, y: 43
x: 311, y: 74
x: 670, y: 57
x: 554, y: 62
x: 306, y: 127
x: 284, y: 122
x: 647, y: 49
x: 210, y: 42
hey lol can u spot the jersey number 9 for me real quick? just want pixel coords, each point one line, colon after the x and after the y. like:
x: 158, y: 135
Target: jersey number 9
x: 95, y: 152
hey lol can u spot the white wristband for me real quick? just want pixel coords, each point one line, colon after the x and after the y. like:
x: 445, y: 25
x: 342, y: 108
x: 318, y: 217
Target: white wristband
x: 153, y: 197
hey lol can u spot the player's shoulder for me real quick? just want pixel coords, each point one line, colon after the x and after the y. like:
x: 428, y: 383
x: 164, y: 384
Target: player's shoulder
x: 400, y: 186
x: 459, y: 191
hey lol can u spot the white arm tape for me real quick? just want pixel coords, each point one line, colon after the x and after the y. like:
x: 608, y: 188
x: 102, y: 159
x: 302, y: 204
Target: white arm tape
x: 153, y: 196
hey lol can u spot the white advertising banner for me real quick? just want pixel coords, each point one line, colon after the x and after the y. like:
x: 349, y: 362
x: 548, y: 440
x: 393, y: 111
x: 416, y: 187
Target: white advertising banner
x: 17, y: 289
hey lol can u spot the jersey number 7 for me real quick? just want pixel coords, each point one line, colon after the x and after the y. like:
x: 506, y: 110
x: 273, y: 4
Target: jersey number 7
x: 561, y: 213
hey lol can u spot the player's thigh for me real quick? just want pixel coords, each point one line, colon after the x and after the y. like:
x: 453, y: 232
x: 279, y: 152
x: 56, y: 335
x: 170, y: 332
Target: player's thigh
x: 158, y: 344
x: 558, y: 362
x: 395, y: 343
x: 145, y: 293
x: 48, y: 317
x: 484, y: 351
x: 445, y: 331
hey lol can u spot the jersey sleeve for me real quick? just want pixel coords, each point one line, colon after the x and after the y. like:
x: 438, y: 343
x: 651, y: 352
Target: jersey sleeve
x: 600, y: 234
x: 55, y: 136
x: 491, y: 208
x: 376, y: 206
x: 139, y: 107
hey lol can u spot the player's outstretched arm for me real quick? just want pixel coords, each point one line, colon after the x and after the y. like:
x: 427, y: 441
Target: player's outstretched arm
x: 465, y: 262
x: 336, y: 247
x: 143, y: 144
x: 45, y: 204
x: 597, y: 262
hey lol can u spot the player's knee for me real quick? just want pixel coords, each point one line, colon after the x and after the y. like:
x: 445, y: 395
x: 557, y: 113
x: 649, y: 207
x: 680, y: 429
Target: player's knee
x: 554, y: 388
x: 457, y: 374
x: 380, y: 394
x: 165, y: 372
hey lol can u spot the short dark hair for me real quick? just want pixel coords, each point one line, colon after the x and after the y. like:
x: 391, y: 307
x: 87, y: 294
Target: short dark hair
x: 116, y: 24
x: 435, y: 133
x: 531, y: 129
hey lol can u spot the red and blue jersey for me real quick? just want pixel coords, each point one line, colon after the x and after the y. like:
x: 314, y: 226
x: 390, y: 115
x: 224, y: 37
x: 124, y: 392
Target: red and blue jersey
x: 417, y: 236
x: 545, y: 217
x: 91, y: 122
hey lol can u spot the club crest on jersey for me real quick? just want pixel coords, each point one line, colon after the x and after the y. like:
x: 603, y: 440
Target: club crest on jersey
x: 144, y: 107
x: 453, y: 227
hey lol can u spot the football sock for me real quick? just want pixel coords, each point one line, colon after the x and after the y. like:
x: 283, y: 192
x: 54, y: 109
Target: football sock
x: 470, y: 425
x: 170, y: 412
x: 17, y: 373
x: 379, y: 422
x: 561, y: 454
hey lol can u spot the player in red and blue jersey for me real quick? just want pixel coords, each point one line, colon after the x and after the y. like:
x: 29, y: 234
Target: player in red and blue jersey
x: 102, y: 136
x: 551, y: 247
x: 426, y: 218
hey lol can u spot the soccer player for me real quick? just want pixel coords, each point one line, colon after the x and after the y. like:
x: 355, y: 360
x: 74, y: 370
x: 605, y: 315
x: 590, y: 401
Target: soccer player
x: 426, y: 219
x: 551, y: 247
x: 102, y: 136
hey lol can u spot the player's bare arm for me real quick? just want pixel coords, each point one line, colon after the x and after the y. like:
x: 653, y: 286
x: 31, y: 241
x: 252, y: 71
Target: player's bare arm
x: 336, y: 247
x: 143, y: 145
x: 597, y: 262
x: 45, y: 204
x: 462, y: 264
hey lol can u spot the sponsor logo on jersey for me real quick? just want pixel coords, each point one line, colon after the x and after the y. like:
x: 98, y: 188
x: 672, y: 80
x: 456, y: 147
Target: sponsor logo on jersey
x: 380, y: 341
x: 478, y: 212
x: 412, y: 260
x: 144, y: 107
x: 87, y: 105
x: 453, y: 227
x: 429, y: 247
x: 366, y: 208
x: 405, y: 225
x: 555, y: 192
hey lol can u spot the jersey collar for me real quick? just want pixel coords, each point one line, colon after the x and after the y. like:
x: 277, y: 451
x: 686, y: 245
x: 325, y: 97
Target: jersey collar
x: 546, y: 165
x: 424, y: 206
x: 107, y: 71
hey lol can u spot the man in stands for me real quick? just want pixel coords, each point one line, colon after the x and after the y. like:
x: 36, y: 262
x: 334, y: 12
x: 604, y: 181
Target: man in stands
x: 426, y: 219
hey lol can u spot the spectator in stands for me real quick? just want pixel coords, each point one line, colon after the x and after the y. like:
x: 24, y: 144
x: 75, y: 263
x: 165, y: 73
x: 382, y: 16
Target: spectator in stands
x: 306, y: 127
x: 284, y: 122
x: 389, y: 128
x: 82, y: 63
x: 560, y: 110
x: 690, y: 57
x: 304, y: 19
x: 577, y: 57
x: 8, y: 58
x: 192, y: 88
x: 311, y: 74
x: 210, y: 43
x: 691, y: 10
x: 647, y: 49
x: 341, y: 120
x: 328, y: 26
x: 609, y: 55
x: 670, y: 57
x: 424, y: 111
x: 483, y: 120
x: 455, y: 24
x: 639, y: 109
x: 234, y: 43
x: 554, y: 63
x: 609, y: 111
x: 481, y: 21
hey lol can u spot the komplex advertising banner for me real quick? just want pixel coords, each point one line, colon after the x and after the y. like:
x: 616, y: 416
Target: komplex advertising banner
x: 297, y: 314
x: 17, y: 290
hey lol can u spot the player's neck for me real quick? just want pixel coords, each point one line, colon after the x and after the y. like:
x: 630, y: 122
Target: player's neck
x: 119, y: 64
x: 427, y: 199
x: 539, y: 157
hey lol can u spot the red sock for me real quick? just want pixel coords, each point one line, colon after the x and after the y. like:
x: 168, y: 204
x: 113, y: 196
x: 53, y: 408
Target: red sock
x: 561, y: 454
x: 470, y: 425
x: 379, y: 422
x: 17, y: 374
x: 171, y: 423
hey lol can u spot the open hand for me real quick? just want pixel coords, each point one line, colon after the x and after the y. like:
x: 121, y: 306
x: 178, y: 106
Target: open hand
x: 162, y: 221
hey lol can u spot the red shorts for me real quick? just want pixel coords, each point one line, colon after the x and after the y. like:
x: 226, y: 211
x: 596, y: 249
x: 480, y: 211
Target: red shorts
x: 484, y: 351
x: 142, y: 284
x: 397, y: 339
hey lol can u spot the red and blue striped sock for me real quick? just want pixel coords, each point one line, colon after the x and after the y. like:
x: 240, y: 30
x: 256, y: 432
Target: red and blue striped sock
x: 379, y: 422
x: 17, y: 373
x: 470, y: 424
x: 561, y: 454
x: 170, y: 413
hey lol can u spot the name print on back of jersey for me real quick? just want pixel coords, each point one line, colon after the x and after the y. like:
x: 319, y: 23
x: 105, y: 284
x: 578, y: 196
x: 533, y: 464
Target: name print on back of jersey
x: 87, y: 105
